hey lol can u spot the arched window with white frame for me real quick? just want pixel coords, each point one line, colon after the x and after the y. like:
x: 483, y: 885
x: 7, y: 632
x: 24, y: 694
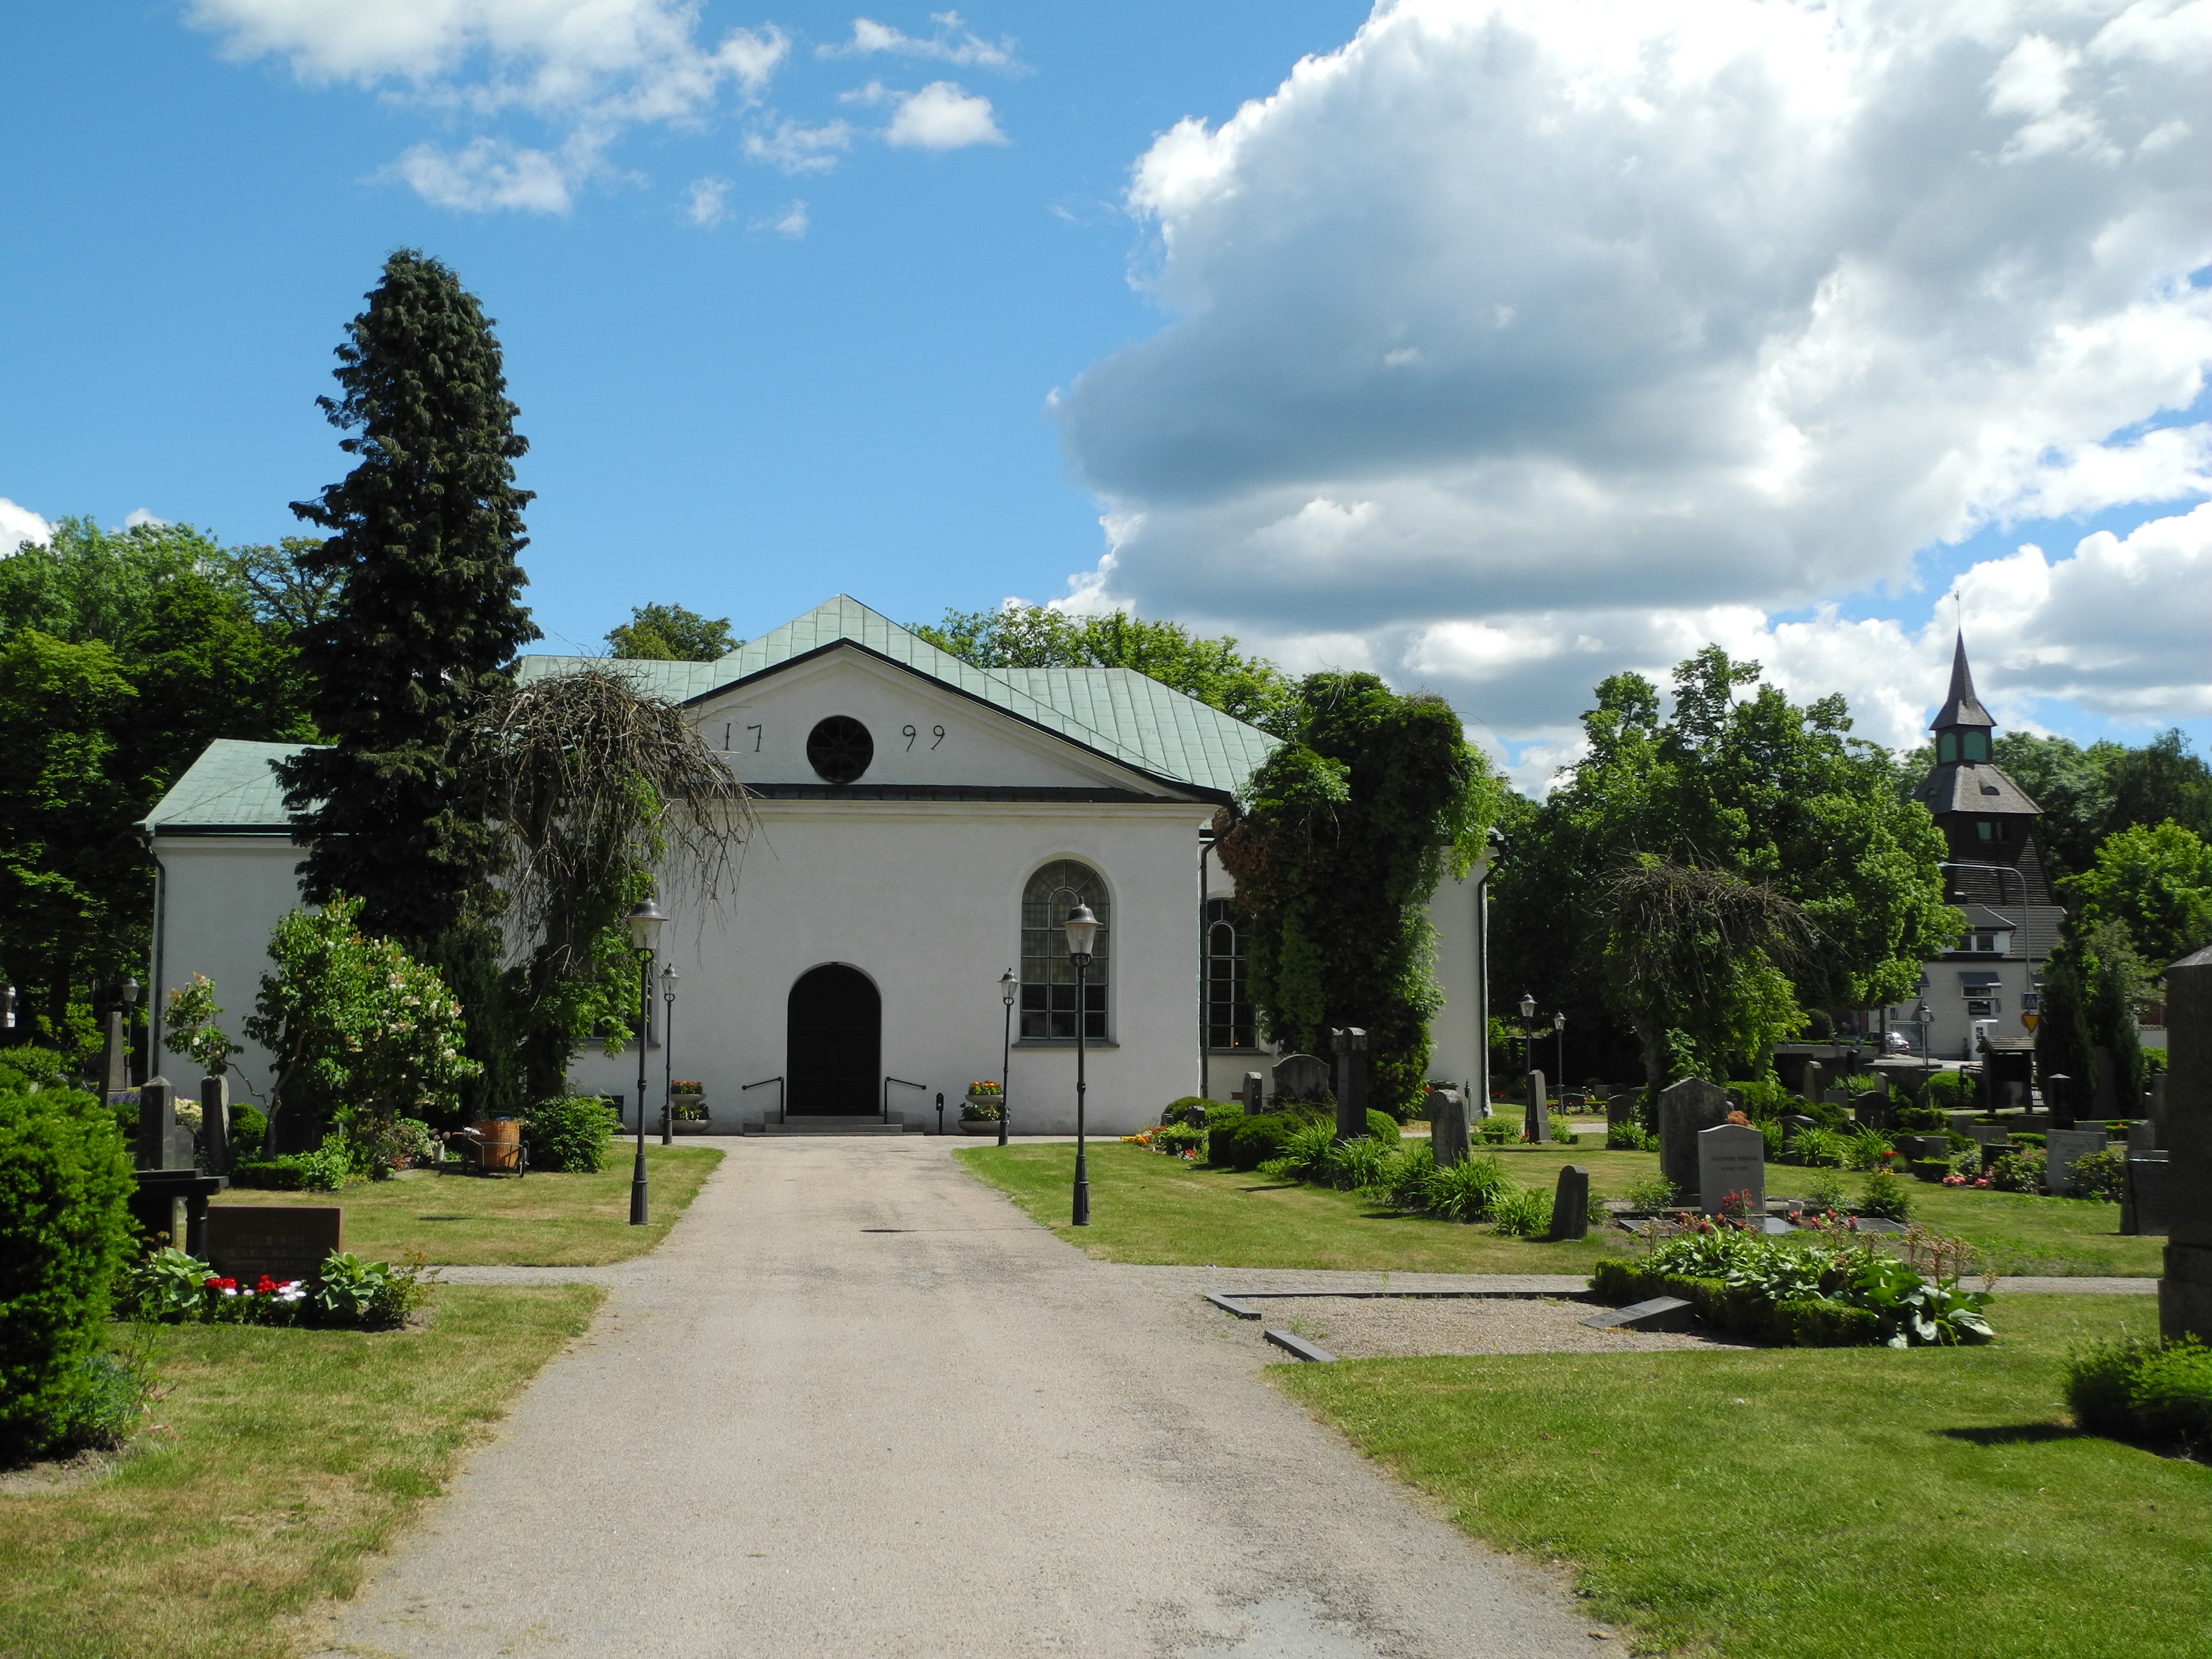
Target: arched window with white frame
x: 1048, y: 1010
x: 1229, y: 1022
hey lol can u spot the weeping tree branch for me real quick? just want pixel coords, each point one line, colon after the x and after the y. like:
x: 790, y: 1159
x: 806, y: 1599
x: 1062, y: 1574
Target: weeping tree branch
x: 603, y: 792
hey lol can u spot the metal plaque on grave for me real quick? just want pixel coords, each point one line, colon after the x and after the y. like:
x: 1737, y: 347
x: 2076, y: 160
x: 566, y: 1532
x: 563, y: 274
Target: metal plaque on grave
x: 284, y: 1241
x: 1732, y: 1161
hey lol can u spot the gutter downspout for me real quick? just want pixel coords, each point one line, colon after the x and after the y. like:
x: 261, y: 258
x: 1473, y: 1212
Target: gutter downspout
x: 1205, y: 845
x: 155, y: 954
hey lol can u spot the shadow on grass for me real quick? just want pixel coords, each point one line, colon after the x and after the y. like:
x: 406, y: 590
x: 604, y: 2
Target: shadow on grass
x: 2016, y: 1434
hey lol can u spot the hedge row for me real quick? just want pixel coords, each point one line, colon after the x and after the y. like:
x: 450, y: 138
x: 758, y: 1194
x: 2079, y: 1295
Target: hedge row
x: 1805, y: 1322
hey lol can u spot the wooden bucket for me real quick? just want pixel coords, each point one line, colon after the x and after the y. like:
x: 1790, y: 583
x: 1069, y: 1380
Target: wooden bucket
x: 502, y: 1144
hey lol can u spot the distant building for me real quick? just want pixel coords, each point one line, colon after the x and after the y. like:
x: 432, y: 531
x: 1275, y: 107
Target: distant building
x: 1994, y: 872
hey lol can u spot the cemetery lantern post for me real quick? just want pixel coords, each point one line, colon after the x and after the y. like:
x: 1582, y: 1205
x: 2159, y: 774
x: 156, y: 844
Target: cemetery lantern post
x: 645, y: 919
x: 1081, y: 928
x: 1559, y: 1032
x: 668, y: 978
x: 1528, y: 1031
x: 1008, y: 986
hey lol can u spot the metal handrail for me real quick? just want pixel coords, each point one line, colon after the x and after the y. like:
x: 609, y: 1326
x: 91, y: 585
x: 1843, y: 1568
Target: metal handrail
x: 903, y: 1084
x: 780, y: 1116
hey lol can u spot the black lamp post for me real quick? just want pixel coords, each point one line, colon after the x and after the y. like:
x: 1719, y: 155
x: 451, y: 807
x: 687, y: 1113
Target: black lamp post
x: 1527, y: 1032
x: 644, y: 920
x: 1559, y: 1060
x: 668, y: 978
x: 1922, y: 1016
x: 1007, y: 985
x: 131, y: 992
x: 1081, y: 928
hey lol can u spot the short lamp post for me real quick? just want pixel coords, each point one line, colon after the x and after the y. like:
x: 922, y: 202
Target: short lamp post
x: 1008, y: 986
x: 1527, y: 1032
x: 1082, y: 929
x: 1922, y: 1016
x: 668, y: 978
x: 1559, y: 1054
x: 644, y: 921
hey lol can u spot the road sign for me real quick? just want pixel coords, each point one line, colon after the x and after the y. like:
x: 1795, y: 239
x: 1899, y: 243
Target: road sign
x: 2028, y: 1020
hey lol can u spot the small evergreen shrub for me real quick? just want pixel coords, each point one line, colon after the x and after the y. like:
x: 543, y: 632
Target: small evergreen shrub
x: 1886, y: 1197
x: 1497, y: 1131
x: 1920, y: 1120
x: 26, y: 1069
x: 1383, y: 1128
x: 66, y: 1183
x: 1654, y: 1194
x: 2100, y: 1174
x: 326, y: 1170
x: 1246, y: 1143
x: 2018, y: 1172
x: 1193, y: 1109
x: 2156, y: 1394
x: 569, y: 1134
x: 249, y: 1131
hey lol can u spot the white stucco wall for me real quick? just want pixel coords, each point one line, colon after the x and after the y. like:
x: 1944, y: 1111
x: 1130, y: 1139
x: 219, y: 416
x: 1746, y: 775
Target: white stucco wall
x: 925, y: 899
x: 218, y: 899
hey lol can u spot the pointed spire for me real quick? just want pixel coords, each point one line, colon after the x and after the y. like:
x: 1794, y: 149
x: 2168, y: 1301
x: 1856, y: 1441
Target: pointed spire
x: 1962, y: 707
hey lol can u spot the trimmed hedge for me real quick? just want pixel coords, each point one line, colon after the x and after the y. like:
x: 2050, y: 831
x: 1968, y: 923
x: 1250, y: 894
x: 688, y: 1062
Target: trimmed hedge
x: 65, y: 1187
x: 1805, y: 1322
x: 1246, y: 1143
x: 1382, y: 1126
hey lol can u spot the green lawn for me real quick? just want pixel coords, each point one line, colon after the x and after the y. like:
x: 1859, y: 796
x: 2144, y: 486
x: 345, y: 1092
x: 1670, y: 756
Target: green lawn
x: 285, y: 1456
x: 1810, y: 1504
x: 539, y: 1221
x: 1146, y: 1207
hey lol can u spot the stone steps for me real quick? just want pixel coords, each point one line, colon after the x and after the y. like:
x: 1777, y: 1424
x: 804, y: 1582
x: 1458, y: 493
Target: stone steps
x: 829, y: 1125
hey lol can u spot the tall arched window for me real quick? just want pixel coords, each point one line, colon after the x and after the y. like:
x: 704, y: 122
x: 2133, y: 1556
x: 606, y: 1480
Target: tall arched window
x: 1228, y: 1023
x: 1047, y: 976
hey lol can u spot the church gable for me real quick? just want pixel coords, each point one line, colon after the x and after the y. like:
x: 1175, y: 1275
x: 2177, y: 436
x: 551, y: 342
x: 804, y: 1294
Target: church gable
x: 844, y: 721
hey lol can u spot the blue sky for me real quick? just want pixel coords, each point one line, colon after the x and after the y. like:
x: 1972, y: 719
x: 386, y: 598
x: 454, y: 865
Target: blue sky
x: 765, y: 351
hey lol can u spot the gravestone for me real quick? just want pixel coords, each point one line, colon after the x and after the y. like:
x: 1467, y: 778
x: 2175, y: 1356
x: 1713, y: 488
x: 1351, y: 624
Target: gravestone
x: 2142, y: 1137
x: 1619, y: 1109
x: 2059, y: 1100
x: 1836, y: 1097
x: 2185, y: 1291
x: 1923, y: 1145
x: 1686, y: 1110
x: 2155, y: 1104
x: 2062, y: 1147
x: 2146, y: 1195
x: 1813, y: 1082
x: 1448, y: 1132
x: 1989, y: 1135
x: 284, y: 1241
x: 1255, y: 1093
x: 1349, y: 1042
x: 215, y: 1122
x: 115, y: 1058
x: 1793, y: 1126
x: 1571, y: 1204
x: 163, y: 1143
x: 1731, y: 1159
x: 1300, y: 1077
x: 1535, y: 1119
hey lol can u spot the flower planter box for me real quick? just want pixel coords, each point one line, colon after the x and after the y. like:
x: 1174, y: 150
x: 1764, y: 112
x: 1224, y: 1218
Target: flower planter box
x: 691, y: 1126
x: 979, y: 1126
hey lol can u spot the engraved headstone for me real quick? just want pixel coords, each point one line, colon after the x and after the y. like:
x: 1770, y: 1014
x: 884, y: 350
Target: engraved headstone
x: 1732, y: 1164
x: 1793, y: 1126
x: 1571, y: 1204
x: 215, y: 1122
x: 115, y: 1057
x: 163, y: 1143
x: 1535, y: 1118
x: 2063, y: 1148
x: 1448, y: 1130
x: 2142, y: 1137
x: 2146, y: 1195
x: 1619, y: 1109
x: 1301, y: 1076
x: 1255, y: 1093
x: 1813, y: 1081
x: 1349, y: 1042
x: 284, y: 1241
x: 1684, y: 1109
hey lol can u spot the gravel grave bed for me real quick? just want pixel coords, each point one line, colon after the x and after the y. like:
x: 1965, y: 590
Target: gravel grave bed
x: 1391, y: 1328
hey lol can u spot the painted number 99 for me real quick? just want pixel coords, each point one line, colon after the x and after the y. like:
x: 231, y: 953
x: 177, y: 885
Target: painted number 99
x: 936, y: 733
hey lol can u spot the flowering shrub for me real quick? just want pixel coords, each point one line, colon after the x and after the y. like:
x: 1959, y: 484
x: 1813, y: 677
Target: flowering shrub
x: 172, y: 1288
x: 1886, y: 1197
x: 1184, y: 1140
x: 2020, y: 1172
x: 985, y: 1086
x: 189, y: 1027
x: 2100, y: 1174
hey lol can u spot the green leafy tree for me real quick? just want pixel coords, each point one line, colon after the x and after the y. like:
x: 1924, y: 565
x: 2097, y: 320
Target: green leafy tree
x: 670, y: 633
x: 1337, y: 844
x: 2161, y: 781
x: 2062, y: 1039
x: 1790, y: 822
x: 2154, y: 880
x: 2090, y: 793
x: 125, y: 655
x: 192, y: 1026
x: 1251, y: 689
x: 360, y: 1029
x: 428, y: 614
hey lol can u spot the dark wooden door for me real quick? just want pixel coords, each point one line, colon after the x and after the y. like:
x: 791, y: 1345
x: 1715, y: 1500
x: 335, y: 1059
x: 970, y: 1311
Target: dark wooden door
x: 835, y: 1037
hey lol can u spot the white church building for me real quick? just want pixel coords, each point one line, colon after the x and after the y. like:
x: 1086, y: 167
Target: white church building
x: 922, y: 827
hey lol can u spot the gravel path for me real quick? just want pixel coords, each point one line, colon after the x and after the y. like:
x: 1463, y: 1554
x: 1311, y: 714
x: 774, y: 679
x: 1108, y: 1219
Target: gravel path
x: 857, y: 1405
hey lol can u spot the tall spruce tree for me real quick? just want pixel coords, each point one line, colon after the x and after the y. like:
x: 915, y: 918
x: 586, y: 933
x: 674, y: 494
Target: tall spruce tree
x: 428, y: 617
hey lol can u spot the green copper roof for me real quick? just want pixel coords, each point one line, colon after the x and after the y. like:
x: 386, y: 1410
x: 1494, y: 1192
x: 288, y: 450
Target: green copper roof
x: 230, y: 787
x: 1115, y: 712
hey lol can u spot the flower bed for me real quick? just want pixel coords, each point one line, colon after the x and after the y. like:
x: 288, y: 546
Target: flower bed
x: 1804, y: 1294
x: 172, y: 1288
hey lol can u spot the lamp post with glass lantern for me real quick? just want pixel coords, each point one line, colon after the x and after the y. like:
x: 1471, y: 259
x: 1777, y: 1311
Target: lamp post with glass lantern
x: 1007, y: 985
x: 1081, y: 928
x: 668, y: 978
x: 1528, y: 1031
x: 644, y: 921
x: 1559, y: 1031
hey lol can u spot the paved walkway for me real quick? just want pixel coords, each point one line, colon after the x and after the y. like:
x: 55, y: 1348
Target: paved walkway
x: 857, y: 1405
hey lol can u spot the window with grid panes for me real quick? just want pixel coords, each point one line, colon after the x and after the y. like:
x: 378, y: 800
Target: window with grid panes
x: 1048, y: 973
x: 1228, y: 1023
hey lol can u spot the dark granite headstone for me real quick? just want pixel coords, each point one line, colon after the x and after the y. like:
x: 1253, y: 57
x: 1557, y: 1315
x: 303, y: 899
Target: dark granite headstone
x: 1448, y: 1129
x: 1349, y: 1042
x: 1301, y: 1076
x: 1255, y: 1093
x: 1619, y: 1109
x: 1571, y: 1204
x: 2146, y: 1195
x: 2142, y: 1137
x: 1686, y: 1110
x: 163, y: 1143
x: 284, y: 1241
x: 1793, y: 1126
x: 1535, y: 1116
x: 215, y: 1122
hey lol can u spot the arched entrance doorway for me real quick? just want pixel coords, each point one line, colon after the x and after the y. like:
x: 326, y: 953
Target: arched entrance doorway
x: 835, y: 1041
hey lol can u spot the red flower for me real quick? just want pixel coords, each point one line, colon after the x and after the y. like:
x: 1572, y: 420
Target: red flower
x: 221, y: 1285
x: 267, y: 1288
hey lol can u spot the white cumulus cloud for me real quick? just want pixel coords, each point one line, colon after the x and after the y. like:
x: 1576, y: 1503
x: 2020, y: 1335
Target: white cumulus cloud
x: 1530, y: 339
x: 792, y: 147
x: 590, y: 68
x: 953, y: 43
x: 705, y: 203
x: 943, y: 117
x: 19, y: 525
x: 789, y: 222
